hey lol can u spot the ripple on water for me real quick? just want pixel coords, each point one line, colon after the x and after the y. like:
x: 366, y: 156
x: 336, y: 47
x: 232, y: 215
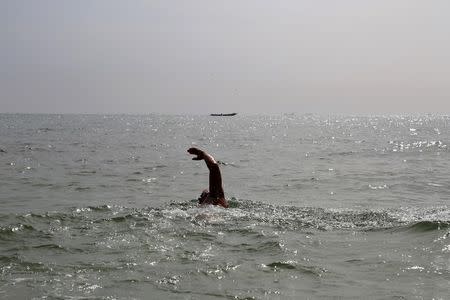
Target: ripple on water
x: 295, y: 266
x: 180, y: 244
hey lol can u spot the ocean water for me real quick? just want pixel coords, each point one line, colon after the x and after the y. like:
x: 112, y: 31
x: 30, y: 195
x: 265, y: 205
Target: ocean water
x: 321, y: 207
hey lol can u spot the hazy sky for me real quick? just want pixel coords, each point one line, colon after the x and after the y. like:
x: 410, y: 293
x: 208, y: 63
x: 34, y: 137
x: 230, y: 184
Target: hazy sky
x: 188, y: 56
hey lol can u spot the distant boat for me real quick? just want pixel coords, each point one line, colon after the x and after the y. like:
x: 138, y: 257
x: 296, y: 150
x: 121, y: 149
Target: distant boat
x: 223, y: 115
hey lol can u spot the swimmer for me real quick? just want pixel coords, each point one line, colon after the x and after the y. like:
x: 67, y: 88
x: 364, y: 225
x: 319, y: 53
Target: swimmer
x: 215, y: 195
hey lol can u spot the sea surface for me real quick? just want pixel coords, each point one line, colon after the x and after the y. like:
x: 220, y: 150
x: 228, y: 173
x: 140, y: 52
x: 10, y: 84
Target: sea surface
x: 321, y: 207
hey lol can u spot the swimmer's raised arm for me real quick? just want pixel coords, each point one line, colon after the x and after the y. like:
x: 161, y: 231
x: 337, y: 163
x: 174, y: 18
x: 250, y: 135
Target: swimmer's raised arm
x: 215, y: 177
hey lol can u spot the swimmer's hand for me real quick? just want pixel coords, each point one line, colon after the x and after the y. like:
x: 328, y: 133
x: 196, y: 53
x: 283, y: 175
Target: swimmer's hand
x: 194, y: 151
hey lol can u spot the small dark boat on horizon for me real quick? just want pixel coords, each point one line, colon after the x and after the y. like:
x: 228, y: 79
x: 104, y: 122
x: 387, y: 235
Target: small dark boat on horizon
x: 223, y: 115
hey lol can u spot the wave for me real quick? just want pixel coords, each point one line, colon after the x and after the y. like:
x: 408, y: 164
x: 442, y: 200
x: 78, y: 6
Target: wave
x: 294, y: 265
x: 241, y: 214
x: 9, y: 231
x: 23, y: 265
x: 425, y: 226
x: 112, y: 240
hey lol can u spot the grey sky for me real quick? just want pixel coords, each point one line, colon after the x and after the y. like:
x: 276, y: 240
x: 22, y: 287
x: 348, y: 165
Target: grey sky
x: 346, y: 56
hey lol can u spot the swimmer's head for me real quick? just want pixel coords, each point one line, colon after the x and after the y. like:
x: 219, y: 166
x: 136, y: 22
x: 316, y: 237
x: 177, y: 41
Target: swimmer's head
x: 203, y: 196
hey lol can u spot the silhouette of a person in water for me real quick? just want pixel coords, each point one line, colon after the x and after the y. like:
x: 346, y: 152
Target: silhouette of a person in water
x: 215, y: 195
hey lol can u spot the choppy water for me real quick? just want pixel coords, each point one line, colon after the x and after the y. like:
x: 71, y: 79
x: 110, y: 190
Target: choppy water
x: 103, y: 207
